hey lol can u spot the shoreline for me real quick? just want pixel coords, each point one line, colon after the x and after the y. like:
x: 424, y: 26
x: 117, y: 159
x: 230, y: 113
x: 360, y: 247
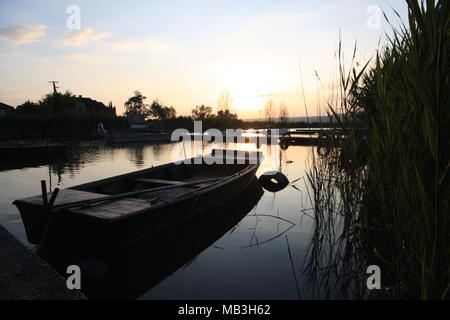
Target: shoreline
x: 25, y: 276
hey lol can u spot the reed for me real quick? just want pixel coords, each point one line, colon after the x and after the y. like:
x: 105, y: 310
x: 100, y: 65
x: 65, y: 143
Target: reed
x: 392, y: 173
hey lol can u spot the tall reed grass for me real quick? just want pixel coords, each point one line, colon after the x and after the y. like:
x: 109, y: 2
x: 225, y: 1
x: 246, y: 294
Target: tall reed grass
x: 392, y: 173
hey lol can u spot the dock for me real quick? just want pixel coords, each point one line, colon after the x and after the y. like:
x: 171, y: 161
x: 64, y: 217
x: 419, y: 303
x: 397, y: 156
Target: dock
x: 137, y: 137
x: 25, y: 276
x: 300, y: 140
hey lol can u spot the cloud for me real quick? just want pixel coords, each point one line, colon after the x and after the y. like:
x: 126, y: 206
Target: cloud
x: 148, y: 46
x: 22, y: 33
x: 84, y: 58
x: 80, y: 37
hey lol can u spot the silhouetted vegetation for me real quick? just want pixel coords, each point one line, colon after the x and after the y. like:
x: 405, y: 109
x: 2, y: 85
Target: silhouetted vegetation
x: 222, y: 120
x: 269, y: 110
x: 201, y: 112
x: 62, y: 116
x: 160, y: 112
x: 389, y: 181
x: 136, y: 105
x: 58, y: 126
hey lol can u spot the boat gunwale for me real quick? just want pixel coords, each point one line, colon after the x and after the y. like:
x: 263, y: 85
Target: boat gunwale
x: 189, y: 194
x: 172, y: 201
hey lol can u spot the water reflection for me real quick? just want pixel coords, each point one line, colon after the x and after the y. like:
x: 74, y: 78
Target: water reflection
x: 259, y: 258
x: 21, y: 163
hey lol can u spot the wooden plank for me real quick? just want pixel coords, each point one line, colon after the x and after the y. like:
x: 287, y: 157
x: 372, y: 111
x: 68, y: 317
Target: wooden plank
x: 130, y: 194
x: 114, y: 209
x: 65, y: 196
x: 158, y: 181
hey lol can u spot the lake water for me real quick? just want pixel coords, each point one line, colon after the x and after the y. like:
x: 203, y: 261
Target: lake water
x: 258, y: 256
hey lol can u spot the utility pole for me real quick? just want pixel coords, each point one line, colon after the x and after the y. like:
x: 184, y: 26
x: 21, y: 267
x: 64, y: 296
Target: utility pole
x: 54, y: 86
x: 54, y: 93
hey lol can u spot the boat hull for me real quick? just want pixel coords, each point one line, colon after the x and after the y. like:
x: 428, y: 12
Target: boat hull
x: 132, y: 270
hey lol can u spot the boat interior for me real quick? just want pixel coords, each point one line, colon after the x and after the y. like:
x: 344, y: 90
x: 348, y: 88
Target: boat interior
x: 169, y: 178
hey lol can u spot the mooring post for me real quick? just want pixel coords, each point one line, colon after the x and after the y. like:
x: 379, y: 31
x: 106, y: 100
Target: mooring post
x: 44, y: 193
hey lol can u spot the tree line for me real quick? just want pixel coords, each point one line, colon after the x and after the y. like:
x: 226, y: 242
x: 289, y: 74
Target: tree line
x: 157, y: 111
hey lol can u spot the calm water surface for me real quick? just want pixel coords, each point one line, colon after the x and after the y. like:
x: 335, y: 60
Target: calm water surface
x: 249, y: 259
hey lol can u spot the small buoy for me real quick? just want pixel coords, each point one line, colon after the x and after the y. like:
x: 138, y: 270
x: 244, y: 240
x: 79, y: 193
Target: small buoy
x: 273, y: 181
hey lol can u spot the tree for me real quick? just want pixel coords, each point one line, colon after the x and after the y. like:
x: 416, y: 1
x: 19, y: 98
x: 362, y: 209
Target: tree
x: 269, y: 110
x: 201, y: 113
x: 225, y: 101
x: 160, y: 112
x: 28, y: 107
x: 172, y: 113
x: 226, y: 115
x: 283, y: 113
x: 136, y: 104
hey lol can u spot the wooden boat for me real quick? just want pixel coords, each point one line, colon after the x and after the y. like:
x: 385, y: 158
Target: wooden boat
x: 127, y: 272
x: 137, y: 137
x: 36, y: 150
x: 135, y: 205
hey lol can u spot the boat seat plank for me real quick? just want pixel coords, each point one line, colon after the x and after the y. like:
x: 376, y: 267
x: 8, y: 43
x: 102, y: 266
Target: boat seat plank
x: 166, y: 195
x: 114, y: 209
x: 64, y: 196
x: 157, y: 181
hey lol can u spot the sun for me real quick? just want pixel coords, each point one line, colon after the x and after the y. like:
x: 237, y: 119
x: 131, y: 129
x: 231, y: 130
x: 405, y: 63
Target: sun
x: 249, y: 85
x: 246, y: 100
x: 246, y: 90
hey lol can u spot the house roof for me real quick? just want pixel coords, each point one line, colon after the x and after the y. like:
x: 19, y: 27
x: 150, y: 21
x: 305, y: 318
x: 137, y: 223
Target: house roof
x: 5, y: 107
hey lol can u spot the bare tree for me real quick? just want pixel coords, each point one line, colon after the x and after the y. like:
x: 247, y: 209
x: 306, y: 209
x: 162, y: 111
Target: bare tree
x: 283, y: 113
x: 269, y: 110
x: 225, y: 101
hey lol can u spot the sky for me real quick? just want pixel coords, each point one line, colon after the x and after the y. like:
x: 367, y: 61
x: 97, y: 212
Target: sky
x: 185, y: 53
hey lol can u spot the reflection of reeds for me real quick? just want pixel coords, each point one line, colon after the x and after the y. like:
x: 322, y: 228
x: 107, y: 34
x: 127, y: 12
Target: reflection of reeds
x: 385, y: 188
x: 279, y: 234
x: 335, y: 261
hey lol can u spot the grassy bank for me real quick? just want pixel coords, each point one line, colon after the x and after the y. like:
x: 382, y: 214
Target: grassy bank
x: 393, y: 176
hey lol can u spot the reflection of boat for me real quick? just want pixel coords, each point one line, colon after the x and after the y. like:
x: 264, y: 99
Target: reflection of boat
x: 127, y: 272
x: 135, y: 205
x: 34, y: 150
x: 137, y: 137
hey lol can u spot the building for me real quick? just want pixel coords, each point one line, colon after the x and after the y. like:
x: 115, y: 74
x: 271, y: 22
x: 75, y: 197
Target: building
x: 88, y: 105
x: 4, y: 109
